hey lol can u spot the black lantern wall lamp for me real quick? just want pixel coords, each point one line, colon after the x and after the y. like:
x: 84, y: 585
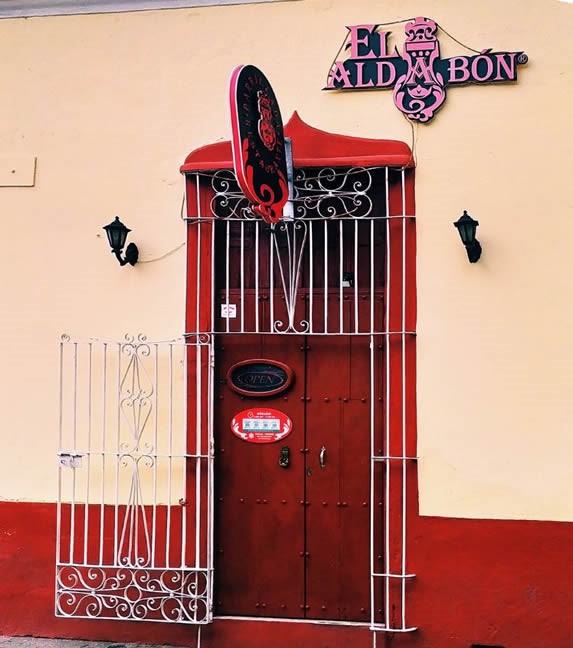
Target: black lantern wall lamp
x: 466, y: 227
x: 116, y: 235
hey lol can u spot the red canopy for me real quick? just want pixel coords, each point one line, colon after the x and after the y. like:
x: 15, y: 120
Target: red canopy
x: 311, y: 148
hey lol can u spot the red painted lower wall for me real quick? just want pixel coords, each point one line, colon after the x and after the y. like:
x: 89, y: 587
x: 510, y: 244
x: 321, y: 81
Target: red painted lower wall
x: 486, y: 582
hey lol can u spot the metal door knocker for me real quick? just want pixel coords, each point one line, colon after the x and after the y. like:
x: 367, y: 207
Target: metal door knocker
x: 284, y: 457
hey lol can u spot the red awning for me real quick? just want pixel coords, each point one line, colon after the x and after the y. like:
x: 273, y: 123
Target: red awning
x: 312, y: 148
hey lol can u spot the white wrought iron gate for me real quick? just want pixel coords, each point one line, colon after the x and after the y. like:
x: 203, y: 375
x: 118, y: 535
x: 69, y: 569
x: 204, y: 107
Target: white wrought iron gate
x: 130, y: 543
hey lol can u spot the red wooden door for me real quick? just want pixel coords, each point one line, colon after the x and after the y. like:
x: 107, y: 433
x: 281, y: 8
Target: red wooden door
x: 295, y: 542
x: 259, y: 505
x: 338, y: 478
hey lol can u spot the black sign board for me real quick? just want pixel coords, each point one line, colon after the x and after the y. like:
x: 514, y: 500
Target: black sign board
x: 258, y: 142
x: 259, y: 377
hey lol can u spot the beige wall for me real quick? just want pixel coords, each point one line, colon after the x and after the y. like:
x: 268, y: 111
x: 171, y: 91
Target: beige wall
x: 111, y: 104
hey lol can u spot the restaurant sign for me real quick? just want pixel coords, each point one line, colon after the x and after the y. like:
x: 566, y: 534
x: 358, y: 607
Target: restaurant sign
x: 258, y: 142
x: 419, y: 76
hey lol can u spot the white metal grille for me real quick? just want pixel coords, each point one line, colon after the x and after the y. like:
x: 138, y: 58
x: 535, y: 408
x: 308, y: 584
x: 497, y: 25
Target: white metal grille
x: 320, y: 272
x: 337, y: 266
x: 130, y: 545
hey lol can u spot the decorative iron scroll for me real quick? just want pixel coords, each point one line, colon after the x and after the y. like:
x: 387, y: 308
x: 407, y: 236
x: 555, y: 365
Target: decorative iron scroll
x: 176, y: 595
x: 333, y: 193
x: 229, y: 201
x: 318, y: 193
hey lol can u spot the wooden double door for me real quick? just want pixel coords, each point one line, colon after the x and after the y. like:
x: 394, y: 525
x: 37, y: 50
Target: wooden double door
x: 292, y: 517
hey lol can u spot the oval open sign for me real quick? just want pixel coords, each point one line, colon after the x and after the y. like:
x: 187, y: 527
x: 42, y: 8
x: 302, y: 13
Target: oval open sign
x: 261, y: 425
x: 259, y: 377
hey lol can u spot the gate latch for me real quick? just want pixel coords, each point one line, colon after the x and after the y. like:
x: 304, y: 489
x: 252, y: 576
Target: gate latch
x: 284, y: 457
x: 70, y: 459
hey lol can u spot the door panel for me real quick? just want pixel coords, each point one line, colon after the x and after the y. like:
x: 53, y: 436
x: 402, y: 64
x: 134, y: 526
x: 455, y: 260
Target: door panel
x: 338, y: 491
x: 259, y: 518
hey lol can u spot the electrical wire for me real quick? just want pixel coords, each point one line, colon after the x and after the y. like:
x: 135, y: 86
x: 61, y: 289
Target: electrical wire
x: 471, y: 49
x: 163, y: 256
x: 175, y: 249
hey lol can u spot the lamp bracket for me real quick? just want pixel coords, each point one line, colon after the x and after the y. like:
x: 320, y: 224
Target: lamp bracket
x: 131, y: 255
x: 474, y: 251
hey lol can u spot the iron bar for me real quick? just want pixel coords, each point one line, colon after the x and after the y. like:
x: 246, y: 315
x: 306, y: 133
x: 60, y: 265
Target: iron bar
x: 310, y: 311
x: 242, y: 278
x: 340, y: 276
x: 404, y: 409
x: 103, y: 453
x: 355, y: 274
x: 257, y: 252
x: 372, y: 485
x: 325, y: 328
x: 155, y: 445
x: 227, y: 274
x: 387, y: 422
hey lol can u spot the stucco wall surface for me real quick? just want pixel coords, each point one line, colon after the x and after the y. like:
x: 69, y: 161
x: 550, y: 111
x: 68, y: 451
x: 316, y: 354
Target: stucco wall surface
x: 111, y: 104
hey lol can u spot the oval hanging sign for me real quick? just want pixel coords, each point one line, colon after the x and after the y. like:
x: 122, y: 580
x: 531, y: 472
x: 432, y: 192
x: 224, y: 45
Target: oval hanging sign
x: 261, y: 425
x: 259, y: 377
x: 258, y: 142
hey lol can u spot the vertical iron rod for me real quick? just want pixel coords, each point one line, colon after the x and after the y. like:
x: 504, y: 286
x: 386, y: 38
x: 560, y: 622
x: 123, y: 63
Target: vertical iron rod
x: 156, y: 458
x: 182, y: 449
x: 89, y: 454
x: 257, y: 252
x: 404, y: 410
x: 242, y: 278
x: 103, y: 454
x: 116, y: 561
x: 356, y: 326
x: 227, y: 273
x: 198, y: 448
x: 272, y: 279
x: 310, y: 312
x: 198, y: 251
x: 372, y: 488
x: 340, y: 276
x: 372, y: 273
x: 388, y: 422
x: 169, y: 459
x: 325, y: 277
x: 60, y: 436
x: 75, y: 431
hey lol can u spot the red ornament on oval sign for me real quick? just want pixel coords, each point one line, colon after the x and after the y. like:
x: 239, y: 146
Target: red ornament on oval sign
x: 261, y: 425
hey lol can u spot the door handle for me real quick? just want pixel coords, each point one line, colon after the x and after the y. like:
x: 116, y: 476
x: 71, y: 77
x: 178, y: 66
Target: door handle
x: 322, y: 457
x: 284, y: 457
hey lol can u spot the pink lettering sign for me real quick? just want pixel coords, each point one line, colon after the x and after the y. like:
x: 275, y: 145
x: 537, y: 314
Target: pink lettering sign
x: 418, y: 75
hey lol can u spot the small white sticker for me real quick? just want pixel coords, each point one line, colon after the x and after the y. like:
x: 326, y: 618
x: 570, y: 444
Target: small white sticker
x: 273, y: 424
x: 229, y: 311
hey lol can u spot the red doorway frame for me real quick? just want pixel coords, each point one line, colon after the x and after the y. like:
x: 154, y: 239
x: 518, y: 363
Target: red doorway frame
x: 316, y: 148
